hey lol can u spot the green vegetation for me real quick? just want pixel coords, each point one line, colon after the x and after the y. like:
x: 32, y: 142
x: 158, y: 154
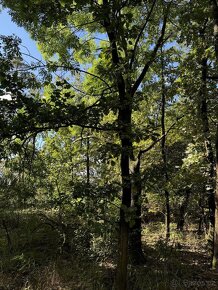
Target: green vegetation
x: 109, y: 146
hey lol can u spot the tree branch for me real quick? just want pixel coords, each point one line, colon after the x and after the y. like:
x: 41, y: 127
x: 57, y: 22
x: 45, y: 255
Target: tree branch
x: 153, y: 55
x: 159, y: 139
x: 140, y: 33
x: 65, y: 67
x: 214, y: 78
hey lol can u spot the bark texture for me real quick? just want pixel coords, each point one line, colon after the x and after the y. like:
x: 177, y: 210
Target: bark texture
x: 208, y: 149
x: 215, y: 241
x: 215, y: 245
x: 163, y: 151
x: 136, y: 253
x: 124, y: 128
x: 182, y: 210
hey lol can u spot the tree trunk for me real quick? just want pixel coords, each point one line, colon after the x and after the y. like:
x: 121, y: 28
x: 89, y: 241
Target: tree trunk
x: 136, y: 253
x: 215, y: 25
x: 202, y: 217
x: 126, y: 92
x: 215, y: 242
x: 87, y: 160
x: 182, y: 210
x: 125, y: 135
x: 209, y: 150
x: 126, y: 143
x: 163, y: 151
x: 215, y: 245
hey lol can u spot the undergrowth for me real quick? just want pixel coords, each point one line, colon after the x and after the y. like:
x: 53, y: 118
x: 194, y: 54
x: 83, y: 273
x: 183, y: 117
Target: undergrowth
x: 38, y: 253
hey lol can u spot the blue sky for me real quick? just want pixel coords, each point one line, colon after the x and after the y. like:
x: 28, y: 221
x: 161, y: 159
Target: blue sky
x: 7, y: 27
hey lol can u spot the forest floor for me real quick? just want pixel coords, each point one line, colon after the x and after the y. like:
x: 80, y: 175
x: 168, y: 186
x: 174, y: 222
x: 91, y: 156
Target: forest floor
x: 183, y: 263
x: 33, y: 257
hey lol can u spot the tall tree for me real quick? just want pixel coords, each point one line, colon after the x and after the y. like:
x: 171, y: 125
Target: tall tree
x: 127, y: 27
x: 214, y: 5
x: 163, y: 145
x: 200, y: 42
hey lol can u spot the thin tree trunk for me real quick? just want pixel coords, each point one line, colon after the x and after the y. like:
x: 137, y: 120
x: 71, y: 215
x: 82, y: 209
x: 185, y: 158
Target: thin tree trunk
x: 215, y: 25
x: 215, y: 245
x: 208, y: 148
x: 202, y: 220
x: 10, y: 247
x: 136, y: 252
x: 87, y: 161
x: 182, y: 210
x: 215, y: 241
x: 163, y: 150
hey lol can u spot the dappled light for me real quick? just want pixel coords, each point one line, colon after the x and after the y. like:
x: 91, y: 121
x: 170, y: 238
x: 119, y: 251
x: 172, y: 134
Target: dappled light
x: 109, y: 145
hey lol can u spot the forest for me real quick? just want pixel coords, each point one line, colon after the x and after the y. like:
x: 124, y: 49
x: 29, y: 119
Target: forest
x: 109, y: 146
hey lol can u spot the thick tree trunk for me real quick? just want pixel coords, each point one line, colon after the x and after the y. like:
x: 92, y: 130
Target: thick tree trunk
x: 163, y: 151
x: 121, y: 276
x: 215, y: 247
x: 125, y: 134
x: 208, y: 148
x: 126, y: 92
x: 126, y: 143
x: 136, y: 253
x: 182, y: 210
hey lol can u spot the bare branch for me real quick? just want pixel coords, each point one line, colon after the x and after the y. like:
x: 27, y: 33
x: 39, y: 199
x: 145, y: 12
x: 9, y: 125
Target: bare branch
x: 153, y: 55
x: 159, y: 139
x: 140, y: 33
x: 214, y: 78
x: 66, y: 67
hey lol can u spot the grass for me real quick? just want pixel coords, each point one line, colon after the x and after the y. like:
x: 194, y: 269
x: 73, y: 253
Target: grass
x: 37, y: 255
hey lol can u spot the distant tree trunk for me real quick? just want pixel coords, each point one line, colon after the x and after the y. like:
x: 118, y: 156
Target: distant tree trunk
x: 215, y: 242
x: 215, y: 245
x: 10, y: 246
x: 136, y: 253
x: 202, y: 217
x: 87, y: 161
x: 208, y: 147
x: 182, y: 210
x: 163, y: 149
x: 215, y: 25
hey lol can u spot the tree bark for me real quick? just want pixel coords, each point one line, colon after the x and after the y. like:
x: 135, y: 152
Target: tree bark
x: 208, y: 148
x: 163, y: 149
x: 215, y: 25
x: 215, y: 245
x: 202, y: 218
x: 125, y: 135
x: 215, y: 241
x: 126, y: 92
x: 87, y: 160
x: 182, y: 210
x: 136, y: 253
x: 126, y: 147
